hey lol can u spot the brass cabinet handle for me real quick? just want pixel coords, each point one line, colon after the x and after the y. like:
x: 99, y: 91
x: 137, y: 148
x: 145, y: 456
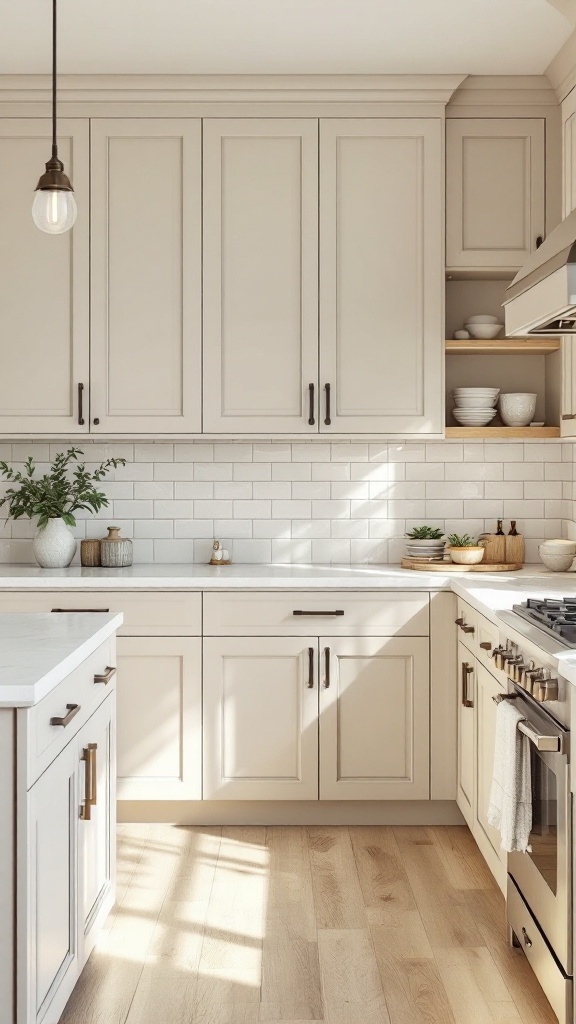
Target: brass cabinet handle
x: 311, y: 420
x: 327, y: 419
x: 302, y: 611
x: 569, y: 416
x: 467, y: 629
x: 486, y: 645
x: 106, y: 676
x: 310, y: 668
x: 459, y: 622
x: 466, y: 670
x: 326, y: 668
x: 80, y: 402
x: 90, y: 794
x: 72, y: 710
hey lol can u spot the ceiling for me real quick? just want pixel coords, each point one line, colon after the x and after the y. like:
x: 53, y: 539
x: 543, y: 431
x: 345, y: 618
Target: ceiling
x: 502, y: 37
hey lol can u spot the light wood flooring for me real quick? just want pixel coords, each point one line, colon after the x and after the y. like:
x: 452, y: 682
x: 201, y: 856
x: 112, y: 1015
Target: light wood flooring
x: 339, y: 925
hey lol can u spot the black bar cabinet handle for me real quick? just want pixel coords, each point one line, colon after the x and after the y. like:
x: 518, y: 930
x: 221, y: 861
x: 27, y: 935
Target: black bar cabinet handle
x: 466, y: 669
x: 311, y: 420
x: 310, y: 668
x: 327, y: 419
x: 80, y: 610
x: 80, y: 402
x: 326, y: 668
x: 72, y: 711
x: 301, y: 611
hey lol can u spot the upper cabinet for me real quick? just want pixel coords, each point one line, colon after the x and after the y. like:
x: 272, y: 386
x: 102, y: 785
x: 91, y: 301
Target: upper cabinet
x: 381, y: 275
x: 260, y: 275
x: 495, y: 192
x: 45, y: 287
x: 146, y: 275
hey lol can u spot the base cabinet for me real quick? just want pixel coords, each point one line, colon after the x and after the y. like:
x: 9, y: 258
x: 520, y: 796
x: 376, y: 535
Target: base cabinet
x: 308, y: 718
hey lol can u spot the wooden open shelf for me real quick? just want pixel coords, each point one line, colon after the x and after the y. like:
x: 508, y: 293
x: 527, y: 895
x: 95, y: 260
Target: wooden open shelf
x: 503, y: 346
x: 487, y: 432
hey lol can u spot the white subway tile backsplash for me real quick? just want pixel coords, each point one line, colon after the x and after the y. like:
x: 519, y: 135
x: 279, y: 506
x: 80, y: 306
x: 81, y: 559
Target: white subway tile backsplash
x: 324, y: 501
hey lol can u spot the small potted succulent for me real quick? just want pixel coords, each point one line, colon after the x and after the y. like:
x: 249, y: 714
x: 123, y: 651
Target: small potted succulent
x: 464, y: 550
x: 53, y: 499
x: 426, y: 542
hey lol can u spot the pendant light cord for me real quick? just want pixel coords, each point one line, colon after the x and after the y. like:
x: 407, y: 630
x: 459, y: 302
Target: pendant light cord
x: 54, y: 142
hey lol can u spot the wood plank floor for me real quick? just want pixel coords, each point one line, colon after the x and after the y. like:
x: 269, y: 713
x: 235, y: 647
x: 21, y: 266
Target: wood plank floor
x: 335, y: 925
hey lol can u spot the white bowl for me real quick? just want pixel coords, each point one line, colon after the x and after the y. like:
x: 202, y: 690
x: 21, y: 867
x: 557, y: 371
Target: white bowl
x: 477, y: 391
x: 482, y: 318
x: 466, y: 556
x: 461, y: 335
x: 557, y: 562
x: 517, y: 409
x: 475, y: 401
x: 559, y: 546
x: 474, y: 417
x: 484, y: 331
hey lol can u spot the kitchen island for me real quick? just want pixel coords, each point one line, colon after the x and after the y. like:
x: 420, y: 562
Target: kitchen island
x: 57, y: 803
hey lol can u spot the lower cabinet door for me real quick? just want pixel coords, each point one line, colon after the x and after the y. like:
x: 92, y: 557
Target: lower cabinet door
x: 159, y: 725
x: 488, y: 839
x: 48, y: 943
x: 466, y: 734
x: 97, y: 823
x: 374, y: 718
x: 261, y: 718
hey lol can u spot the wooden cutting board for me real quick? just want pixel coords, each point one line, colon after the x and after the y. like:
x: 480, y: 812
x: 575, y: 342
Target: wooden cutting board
x: 408, y: 563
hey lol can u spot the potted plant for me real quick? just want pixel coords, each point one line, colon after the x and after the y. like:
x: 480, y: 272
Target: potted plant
x: 53, y: 499
x: 464, y: 550
x: 426, y: 542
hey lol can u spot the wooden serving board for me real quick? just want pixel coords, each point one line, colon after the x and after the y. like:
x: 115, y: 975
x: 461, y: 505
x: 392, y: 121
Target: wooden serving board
x: 408, y: 563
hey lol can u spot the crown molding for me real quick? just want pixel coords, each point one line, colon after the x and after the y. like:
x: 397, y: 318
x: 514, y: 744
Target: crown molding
x: 79, y: 89
x: 561, y: 72
x: 504, y: 91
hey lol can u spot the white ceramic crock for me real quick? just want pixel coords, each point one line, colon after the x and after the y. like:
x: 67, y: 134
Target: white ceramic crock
x: 54, y: 546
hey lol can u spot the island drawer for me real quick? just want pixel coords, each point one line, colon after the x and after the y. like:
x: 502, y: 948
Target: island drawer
x: 75, y: 699
x: 169, y: 613
x: 405, y: 613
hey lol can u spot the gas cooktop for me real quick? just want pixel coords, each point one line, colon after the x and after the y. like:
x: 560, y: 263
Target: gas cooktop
x: 556, y: 616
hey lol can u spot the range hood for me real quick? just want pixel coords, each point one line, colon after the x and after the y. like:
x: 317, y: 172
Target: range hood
x: 541, y: 300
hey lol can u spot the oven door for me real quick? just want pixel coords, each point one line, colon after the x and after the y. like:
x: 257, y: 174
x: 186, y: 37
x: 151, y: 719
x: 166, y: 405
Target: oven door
x: 544, y: 876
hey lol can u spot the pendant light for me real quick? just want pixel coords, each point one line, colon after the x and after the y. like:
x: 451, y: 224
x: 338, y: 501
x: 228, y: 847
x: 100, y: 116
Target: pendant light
x: 54, y: 208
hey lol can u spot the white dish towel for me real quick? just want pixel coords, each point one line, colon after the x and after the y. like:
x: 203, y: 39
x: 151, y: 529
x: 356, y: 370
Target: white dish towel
x: 510, y: 809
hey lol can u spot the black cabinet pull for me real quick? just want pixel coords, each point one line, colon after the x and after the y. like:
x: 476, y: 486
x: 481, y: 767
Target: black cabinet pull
x: 311, y: 420
x: 466, y: 670
x: 326, y: 668
x: 80, y: 610
x: 300, y: 611
x: 72, y: 711
x: 327, y: 419
x: 310, y: 668
x: 539, y: 241
x: 80, y: 403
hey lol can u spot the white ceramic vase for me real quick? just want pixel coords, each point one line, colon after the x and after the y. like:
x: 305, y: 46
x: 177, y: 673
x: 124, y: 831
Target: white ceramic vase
x: 54, y: 547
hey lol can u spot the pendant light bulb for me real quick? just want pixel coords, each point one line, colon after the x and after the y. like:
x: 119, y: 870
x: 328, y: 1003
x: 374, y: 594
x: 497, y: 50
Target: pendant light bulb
x: 54, y: 208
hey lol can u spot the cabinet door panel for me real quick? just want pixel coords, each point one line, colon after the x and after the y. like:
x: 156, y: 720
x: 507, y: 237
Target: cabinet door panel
x: 381, y: 274
x: 487, y: 687
x: 159, y: 731
x: 52, y: 952
x: 45, y: 281
x: 260, y: 719
x: 495, y: 191
x: 97, y: 852
x: 466, y: 734
x: 146, y: 275
x: 374, y: 719
x: 260, y: 274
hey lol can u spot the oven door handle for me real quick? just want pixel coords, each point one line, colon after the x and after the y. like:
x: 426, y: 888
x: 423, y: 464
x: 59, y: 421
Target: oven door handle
x: 544, y: 743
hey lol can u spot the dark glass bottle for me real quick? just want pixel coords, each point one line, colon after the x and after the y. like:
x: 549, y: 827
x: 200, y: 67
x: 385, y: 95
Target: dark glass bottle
x: 499, y: 531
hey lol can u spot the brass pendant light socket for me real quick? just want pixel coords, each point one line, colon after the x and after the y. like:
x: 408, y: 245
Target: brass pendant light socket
x: 54, y: 179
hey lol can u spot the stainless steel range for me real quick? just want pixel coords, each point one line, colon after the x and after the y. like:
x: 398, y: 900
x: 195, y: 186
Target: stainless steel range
x: 534, y: 638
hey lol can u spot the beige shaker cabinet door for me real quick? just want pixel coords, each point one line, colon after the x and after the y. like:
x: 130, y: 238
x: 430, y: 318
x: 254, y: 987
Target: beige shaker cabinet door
x: 381, y: 275
x: 261, y: 718
x: 146, y: 275
x: 260, y: 263
x: 159, y: 730
x: 495, y: 191
x: 374, y: 718
x: 466, y: 772
x: 44, y: 313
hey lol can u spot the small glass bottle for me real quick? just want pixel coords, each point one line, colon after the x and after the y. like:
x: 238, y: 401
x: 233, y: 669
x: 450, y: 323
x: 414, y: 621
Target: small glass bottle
x: 512, y: 532
x: 499, y: 531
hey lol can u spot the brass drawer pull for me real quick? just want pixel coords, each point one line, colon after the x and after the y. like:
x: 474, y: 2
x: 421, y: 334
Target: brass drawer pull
x: 486, y: 645
x: 90, y: 794
x: 467, y: 629
x: 466, y: 670
x: 72, y: 710
x: 106, y: 676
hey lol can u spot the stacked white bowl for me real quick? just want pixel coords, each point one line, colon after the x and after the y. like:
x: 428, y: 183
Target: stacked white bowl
x: 474, y: 407
x: 483, y: 326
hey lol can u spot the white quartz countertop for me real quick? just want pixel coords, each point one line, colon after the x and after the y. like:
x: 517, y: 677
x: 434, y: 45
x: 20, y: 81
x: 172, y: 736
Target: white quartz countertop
x: 38, y: 651
x: 277, y: 577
